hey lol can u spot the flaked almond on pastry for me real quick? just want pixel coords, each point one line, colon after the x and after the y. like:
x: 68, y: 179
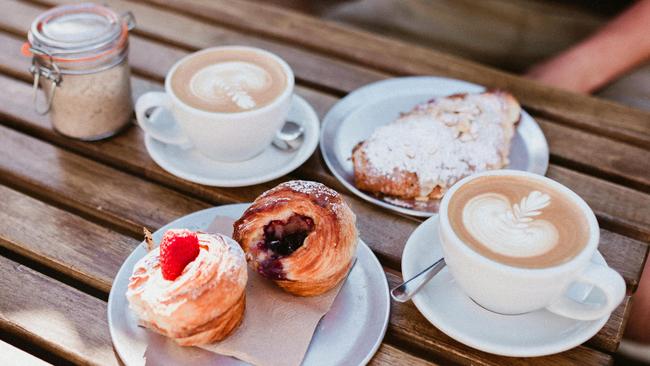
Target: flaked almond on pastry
x: 300, y: 234
x: 191, y: 288
x: 425, y: 151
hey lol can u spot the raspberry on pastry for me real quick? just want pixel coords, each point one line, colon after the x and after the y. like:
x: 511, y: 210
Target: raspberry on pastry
x: 425, y: 151
x: 191, y: 288
x: 300, y: 234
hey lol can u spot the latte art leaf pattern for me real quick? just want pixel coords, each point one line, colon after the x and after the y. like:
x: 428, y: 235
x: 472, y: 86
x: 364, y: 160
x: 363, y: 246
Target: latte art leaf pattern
x: 511, y: 229
x: 528, y: 207
x: 237, y: 94
x: 230, y: 82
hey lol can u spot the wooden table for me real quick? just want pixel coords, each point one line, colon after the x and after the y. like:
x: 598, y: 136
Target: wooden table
x: 71, y: 212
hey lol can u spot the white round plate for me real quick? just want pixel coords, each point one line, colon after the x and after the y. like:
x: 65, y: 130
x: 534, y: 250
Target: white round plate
x: 445, y: 305
x: 355, y: 117
x: 349, y: 334
x: 272, y: 163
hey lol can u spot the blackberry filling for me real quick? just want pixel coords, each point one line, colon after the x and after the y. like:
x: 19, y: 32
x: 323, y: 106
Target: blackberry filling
x: 281, y: 238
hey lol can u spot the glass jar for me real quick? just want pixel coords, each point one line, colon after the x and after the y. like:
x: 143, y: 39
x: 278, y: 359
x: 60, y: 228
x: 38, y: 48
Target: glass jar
x: 79, y: 58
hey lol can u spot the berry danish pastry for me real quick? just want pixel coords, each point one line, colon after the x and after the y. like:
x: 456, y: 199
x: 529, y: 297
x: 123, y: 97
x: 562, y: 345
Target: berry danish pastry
x: 300, y: 234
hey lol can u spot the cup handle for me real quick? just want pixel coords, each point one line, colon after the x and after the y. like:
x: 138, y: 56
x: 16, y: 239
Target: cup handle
x: 607, y: 280
x: 168, y: 134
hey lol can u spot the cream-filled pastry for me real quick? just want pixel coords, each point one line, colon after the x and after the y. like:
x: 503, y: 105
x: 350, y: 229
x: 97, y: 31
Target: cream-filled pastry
x: 191, y: 288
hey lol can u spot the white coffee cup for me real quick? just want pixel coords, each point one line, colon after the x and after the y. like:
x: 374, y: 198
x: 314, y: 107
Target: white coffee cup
x: 220, y: 136
x: 515, y: 290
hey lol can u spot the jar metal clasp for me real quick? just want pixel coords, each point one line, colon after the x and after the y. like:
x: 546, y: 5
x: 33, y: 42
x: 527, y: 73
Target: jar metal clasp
x: 38, y: 70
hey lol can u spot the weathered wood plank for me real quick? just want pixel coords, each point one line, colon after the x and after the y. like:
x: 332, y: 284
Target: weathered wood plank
x: 598, y: 155
x: 54, y: 316
x: 389, y: 55
x: 94, y: 189
x: 60, y: 240
x: 10, y: 355
x: 389, y: 355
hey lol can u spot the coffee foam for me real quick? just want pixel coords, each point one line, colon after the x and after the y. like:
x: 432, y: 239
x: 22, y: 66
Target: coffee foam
x: 518, y: 221
x: 510, y: 229
x: 229, y: 81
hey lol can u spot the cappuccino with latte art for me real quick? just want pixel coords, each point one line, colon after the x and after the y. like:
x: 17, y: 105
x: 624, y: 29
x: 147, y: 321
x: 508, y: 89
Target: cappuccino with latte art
x: 518, y: 221
x: 229, y: 80
x: 517, y: 242
x: 227, y: 102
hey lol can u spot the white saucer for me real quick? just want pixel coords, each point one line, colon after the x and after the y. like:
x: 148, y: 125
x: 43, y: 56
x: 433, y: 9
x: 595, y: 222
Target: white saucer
x: 444, y: 304
x: 349, y: 334
x: 272, y: 163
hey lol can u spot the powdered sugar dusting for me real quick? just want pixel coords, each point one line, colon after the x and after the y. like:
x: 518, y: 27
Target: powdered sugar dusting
x: 320, y: 191
x: 443, y: 140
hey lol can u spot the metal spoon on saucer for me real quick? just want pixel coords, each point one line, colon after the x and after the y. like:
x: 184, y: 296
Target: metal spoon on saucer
x: 289, y: 136
x: 408, y: 288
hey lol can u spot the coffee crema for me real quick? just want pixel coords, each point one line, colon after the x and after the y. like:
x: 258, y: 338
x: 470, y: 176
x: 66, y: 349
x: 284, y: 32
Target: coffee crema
x: 518, y: 221
x: 229, y: 80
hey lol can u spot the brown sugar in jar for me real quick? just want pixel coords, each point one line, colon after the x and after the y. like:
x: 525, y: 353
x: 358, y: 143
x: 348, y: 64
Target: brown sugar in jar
x: 79, y: 58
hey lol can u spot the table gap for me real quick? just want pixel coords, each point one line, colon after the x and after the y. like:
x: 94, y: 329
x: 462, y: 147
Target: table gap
x: 52, y: 272
x: 34, y: 349
x: 640, y: 142
x: 595, y: 172
x: 113, y: 222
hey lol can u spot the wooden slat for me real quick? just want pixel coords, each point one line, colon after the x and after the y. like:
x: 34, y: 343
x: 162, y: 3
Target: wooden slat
x: 54, y: 316
x: 73, y: 242
x: 60, y: 240
x: 608, y: 118
x: 389, y: 355
x: 95, y: 189
x: 598, y: 155
x: 10, y: 355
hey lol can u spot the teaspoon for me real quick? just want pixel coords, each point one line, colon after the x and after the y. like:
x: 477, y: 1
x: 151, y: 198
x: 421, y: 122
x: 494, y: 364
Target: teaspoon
x: 288, y: 138
x: 408, y: 288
